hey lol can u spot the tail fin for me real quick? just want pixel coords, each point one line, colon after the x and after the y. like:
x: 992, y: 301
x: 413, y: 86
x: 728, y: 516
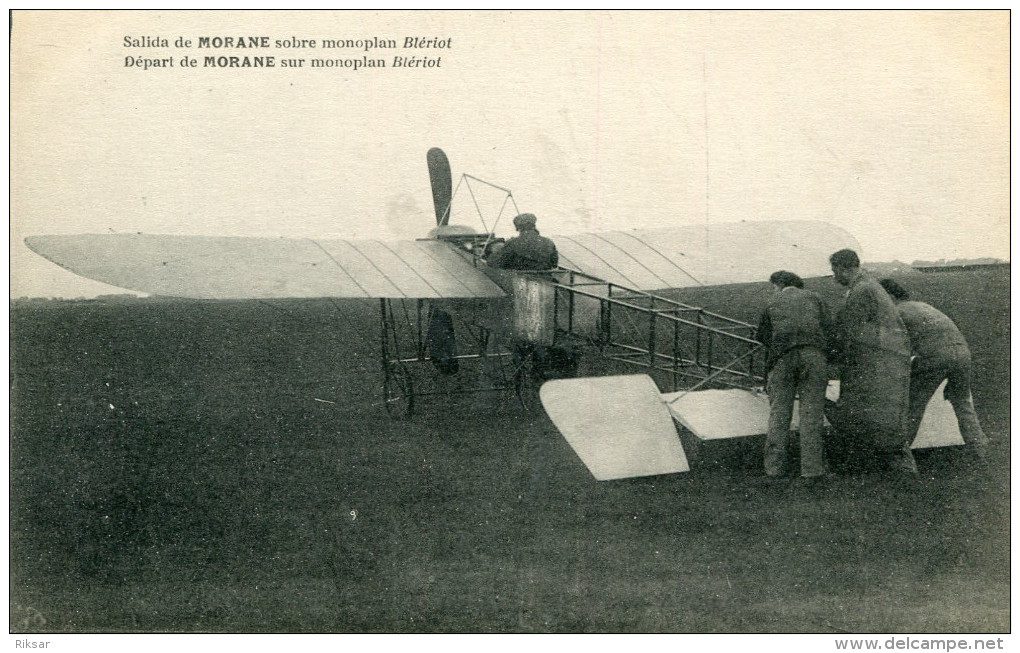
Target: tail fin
x: 442, y: 184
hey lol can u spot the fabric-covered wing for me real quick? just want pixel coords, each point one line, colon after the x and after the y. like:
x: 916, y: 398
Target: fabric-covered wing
x: 203, y: 267
x: 709, y: 255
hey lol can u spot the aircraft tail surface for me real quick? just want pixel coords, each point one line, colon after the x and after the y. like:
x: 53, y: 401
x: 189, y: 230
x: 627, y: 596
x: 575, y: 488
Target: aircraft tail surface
x: 617, y: 425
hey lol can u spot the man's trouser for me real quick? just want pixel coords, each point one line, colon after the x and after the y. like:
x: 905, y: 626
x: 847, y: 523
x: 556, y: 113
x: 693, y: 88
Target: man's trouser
x: 925, y: 379
x: 800, y: 371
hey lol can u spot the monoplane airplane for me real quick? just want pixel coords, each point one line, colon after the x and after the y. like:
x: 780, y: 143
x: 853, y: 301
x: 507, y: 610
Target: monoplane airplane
x: 520, y: 325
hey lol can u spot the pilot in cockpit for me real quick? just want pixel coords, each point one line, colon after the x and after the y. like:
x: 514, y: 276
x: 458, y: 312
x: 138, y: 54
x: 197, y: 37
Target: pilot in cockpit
x: 528, y: 250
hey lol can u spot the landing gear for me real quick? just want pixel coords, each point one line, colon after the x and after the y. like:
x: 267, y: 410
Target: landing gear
x: 524, y: 379
x: 535, y: 364
x: 398, y: 390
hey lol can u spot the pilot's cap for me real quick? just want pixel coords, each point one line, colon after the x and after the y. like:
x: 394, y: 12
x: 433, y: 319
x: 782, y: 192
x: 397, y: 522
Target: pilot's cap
x: 525, y: 221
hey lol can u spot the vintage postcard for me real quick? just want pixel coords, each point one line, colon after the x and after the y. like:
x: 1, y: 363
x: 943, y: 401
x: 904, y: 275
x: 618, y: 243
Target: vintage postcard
x: 462, y: 322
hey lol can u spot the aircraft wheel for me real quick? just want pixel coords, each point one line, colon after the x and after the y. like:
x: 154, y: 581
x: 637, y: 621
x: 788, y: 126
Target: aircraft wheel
x: 398, y: 391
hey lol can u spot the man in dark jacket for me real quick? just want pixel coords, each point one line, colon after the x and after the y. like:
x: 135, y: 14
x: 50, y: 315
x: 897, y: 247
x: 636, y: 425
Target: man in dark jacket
x: 874, y: 356
x: 528, y: 250
x: 940, y: 353
x: 793, y: 327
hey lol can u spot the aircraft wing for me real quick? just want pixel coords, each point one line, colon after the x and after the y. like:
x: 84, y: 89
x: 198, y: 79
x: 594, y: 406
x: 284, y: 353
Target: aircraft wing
x: 709, y: 255
x: 202, y: 267
x: 209, y: 267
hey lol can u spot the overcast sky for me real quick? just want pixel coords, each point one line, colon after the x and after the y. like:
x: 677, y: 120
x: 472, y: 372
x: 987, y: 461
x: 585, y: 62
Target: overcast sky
x: 894, y: 126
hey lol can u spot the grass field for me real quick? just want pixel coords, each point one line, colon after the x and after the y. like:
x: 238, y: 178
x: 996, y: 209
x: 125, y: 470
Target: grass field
x: 174, y: 469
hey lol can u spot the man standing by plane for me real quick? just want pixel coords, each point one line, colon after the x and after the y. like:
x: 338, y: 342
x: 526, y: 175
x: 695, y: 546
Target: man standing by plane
x: 528, y: 250
x: 940, y: 353
x: 793, y: 328
x: 874, y: 356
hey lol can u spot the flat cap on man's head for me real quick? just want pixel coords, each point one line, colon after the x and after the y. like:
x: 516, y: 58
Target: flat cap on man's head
x: 895, y: 290
x: 525, y: 221
x: 845, y: 258
x: 785, y: 278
